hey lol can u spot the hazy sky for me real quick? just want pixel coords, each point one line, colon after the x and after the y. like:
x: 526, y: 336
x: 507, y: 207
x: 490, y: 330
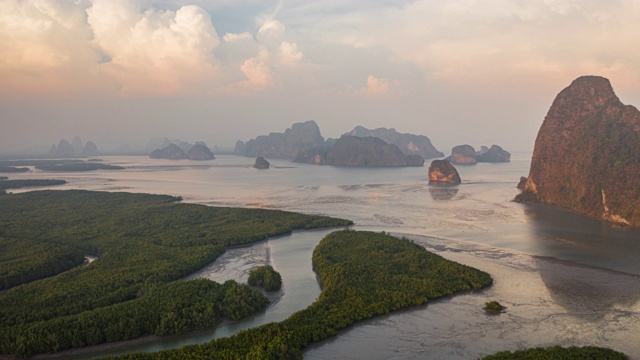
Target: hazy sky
x: 477, y: 72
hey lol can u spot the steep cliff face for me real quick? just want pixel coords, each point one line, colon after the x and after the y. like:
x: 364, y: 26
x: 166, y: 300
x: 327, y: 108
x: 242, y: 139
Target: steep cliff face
x: 587, y: 154
x: 301, y: 136
x: 410, y: 144
x: 357, y: 151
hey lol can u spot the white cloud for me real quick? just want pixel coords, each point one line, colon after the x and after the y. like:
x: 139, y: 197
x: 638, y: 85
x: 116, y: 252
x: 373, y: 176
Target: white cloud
x: 231, y: 37
x: 43, y: 47
x: 378, y: 87
x: 289, y: 54
x: 257, y: 76
x: 155, y: 51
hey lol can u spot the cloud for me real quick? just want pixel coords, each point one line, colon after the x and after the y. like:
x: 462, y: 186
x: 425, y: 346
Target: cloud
x: 43, y: 47
x: 288, y: 54
x: 155, y: 51
x: 378, y: 86
x: 257, y: 74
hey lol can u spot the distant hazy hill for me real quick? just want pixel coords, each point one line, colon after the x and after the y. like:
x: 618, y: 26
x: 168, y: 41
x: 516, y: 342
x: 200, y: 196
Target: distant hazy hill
x: 74, y: 149
x: 301, y: 136
x: 587, y: 154
x: 410, y: 144
x: 359, y: 151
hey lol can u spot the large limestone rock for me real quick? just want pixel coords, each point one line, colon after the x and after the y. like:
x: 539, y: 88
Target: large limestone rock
x: 441, y: 172
x: 463, y: 154
x: 410, y: 144
x: 200, y: 151
x: 172, y: 152
x: 587, y: 154
x: 287, y: 145
x: 495, y: 154
x: 357, y: 151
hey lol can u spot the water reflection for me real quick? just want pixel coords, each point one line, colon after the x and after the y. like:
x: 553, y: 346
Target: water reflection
x: 441, y: 193
x: 567, y: 235
x: 589, y: 293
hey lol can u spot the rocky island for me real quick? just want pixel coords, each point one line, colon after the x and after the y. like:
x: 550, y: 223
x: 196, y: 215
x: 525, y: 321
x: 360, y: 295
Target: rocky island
x: 200, y: 151
x: 587, y: 154
x: 467, y: 155
x: 495, y: 154
x: 441, y: 172
x: 463, y: 155
x: 358, y: 151
x: 410, y: 144
x: 174, y: 152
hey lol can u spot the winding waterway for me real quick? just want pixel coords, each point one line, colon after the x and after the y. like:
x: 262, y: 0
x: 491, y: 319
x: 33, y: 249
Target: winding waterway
x: 565, y: 279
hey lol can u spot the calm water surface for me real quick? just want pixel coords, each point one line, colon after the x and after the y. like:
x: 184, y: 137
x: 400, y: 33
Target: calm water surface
x: 565, y: 278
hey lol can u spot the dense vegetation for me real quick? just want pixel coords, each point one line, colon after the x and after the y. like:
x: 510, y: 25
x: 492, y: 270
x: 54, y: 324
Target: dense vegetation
x: 145, y: 244
x: 363, y: 274
x: 266, y: 278
x: 24, y: 260
x: 81, y: 166
x: 558, y: 352
x: 18, y: 184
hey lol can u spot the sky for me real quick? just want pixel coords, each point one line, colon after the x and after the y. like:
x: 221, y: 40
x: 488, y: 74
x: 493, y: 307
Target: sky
x: 476, y: 72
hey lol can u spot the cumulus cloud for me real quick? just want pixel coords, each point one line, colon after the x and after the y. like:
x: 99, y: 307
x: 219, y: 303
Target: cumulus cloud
x: 288, y: 54
x: 155, y: 51
x: 274, y: 55
x: 43, y: 47
x: 257, y: 75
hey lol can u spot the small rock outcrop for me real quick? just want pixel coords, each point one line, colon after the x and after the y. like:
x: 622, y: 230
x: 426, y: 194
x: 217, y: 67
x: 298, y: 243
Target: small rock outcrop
x: 441, y: 172
x: 172, y: 152
x: 410, y: 144
x: 357, y: 151
x: 521, y: 183
x: 495, y: 154
x: 463, y: 155
x: 200, y: 151
x: 287, y: 145
x: 261, y: 163
x: 587, y: 154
